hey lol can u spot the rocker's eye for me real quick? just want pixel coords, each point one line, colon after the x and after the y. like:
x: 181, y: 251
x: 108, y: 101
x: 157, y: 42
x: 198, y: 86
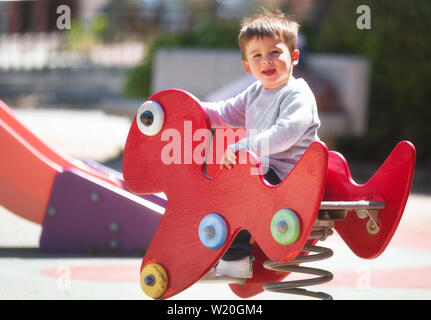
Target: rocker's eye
x: 150, y: 118
x: 147, y: 118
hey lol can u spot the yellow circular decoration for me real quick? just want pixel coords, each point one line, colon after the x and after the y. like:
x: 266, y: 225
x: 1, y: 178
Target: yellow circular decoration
x: 154, y: 280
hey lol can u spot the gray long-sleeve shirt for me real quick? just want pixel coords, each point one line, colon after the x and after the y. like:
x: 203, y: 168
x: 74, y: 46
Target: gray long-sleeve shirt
x: 281, y: 123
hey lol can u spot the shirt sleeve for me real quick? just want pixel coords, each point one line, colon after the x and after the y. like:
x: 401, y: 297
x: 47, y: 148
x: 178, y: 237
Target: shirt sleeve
x: 295, y: 118
x: 227, y: 114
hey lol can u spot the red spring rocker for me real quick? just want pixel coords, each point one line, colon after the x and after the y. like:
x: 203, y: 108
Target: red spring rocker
x: 170, y: 149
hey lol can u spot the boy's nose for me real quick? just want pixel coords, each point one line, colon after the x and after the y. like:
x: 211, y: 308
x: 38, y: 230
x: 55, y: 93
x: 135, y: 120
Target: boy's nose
x: 267, y: 59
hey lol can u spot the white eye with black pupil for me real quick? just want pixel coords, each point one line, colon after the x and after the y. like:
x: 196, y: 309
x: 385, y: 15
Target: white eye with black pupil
x: 150, y: 118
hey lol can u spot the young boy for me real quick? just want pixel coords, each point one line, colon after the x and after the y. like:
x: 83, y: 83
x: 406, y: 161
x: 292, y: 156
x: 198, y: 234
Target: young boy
x: 278, y: 111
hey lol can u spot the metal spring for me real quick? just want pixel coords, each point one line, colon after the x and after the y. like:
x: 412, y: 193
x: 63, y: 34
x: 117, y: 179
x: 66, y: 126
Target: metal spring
x: 292, y: 287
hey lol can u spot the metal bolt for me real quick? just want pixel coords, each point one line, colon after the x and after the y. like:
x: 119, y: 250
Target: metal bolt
x: 113, y: 244
x: 150, y: 280
x: 362, y: 214
x: 372, y: 227
x: 52, y: 211
x: 94, y: 196
x: 113, y: 226
x: 209, y: 232
x: 90, y: 249
x: 281, y: 226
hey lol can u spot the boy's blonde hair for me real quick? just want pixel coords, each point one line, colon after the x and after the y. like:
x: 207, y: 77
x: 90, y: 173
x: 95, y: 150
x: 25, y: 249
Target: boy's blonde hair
x: 272, y: 24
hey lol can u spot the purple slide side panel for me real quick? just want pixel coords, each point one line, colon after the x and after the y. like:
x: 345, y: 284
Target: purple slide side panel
x: 101, y: 167
x: 86, y: 215
x: 155, y: 199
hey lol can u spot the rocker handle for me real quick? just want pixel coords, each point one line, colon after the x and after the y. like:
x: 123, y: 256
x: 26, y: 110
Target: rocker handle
x: 351, y: 205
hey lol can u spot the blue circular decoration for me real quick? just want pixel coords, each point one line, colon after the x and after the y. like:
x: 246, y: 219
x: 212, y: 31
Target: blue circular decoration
x: 213, y: 231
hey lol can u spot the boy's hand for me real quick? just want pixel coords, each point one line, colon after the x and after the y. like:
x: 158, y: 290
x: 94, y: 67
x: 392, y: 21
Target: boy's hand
x: 229, y: 158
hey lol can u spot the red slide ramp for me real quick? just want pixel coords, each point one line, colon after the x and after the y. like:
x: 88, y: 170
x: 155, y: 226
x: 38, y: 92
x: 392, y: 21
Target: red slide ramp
x: 28, y: 167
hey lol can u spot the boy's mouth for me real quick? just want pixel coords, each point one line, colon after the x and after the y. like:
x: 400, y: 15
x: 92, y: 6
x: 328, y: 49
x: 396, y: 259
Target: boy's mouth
x: 268, y: 72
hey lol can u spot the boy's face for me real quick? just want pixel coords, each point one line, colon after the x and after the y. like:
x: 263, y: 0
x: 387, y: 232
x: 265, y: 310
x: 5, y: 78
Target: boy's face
x: 270, y: 61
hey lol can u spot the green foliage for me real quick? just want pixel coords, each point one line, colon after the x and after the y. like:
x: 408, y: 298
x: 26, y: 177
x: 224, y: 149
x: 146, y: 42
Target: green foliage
x: 83, y: 38
x: 399, y: 50
x: 99, y: 26
x: 211, y: 35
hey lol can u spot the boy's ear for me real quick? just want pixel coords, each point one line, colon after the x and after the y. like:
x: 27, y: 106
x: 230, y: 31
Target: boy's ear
x: 246, y: 66
x: 295, y: 57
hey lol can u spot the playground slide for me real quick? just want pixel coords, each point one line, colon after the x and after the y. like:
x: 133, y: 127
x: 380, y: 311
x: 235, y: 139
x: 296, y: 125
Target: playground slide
x: 10, y: 119
x: 28, y: 167
x: 46, y: 186
x: 26, y: 176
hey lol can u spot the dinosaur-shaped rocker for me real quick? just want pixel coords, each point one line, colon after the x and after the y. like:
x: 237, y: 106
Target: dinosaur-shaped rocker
x: 170, y: 149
